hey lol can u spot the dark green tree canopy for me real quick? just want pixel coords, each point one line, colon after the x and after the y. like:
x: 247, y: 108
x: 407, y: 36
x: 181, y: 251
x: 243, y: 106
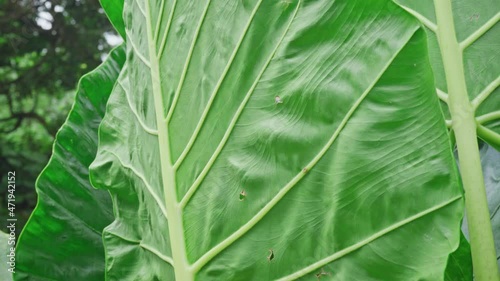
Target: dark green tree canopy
x: 45, y: 47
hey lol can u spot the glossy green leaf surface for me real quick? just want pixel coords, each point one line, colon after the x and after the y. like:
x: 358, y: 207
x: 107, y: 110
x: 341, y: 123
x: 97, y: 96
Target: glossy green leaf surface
x: 62, y: 239
x: 114, y: 10
x: 276, y: 140
x: 477, y: 30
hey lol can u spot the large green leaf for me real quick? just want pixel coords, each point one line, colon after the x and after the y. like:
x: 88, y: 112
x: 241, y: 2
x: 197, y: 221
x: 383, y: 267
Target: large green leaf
x: 62, y: 239
x: 262, y: 140
x: 477, y: 30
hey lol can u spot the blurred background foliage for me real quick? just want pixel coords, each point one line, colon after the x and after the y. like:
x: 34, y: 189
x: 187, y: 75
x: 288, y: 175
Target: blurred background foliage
x: 45, y: 47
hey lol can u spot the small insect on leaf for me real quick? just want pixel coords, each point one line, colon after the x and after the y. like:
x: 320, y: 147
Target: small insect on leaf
x: 278, y: 100
x: 271, y: 255
x: 321, y: 274
x: 243, y: 195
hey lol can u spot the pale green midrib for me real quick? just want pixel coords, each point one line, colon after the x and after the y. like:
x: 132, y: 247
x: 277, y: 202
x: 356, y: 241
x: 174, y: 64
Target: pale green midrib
x: 192, y: 189
x: 141, y: 122
x: 317, y: 265
x: 214, y: 93
x: 464, y: 126
x: 263, y: 212
x: 144, y: 181
x: 175, y: 224
x: 186, y: 65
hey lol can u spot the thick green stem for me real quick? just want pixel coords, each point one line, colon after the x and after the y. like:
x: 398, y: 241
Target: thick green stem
x: 464, y: 126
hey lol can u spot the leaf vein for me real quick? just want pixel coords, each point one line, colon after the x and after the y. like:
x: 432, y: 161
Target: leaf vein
x: 488, y: 135
x: 141, y: 122
x: 136, y: 50
x: 159, y: 20
x: 425, y: 21
x: 366, y: 241
x: 442, y: 95
x: 144, y: 181
x: 97, y: 232
x: 480, y: 32
x: 165, y: 36
x: 488, y: 117
x: 485, y: 93
x: 140, y: 8
x: 163, y: 257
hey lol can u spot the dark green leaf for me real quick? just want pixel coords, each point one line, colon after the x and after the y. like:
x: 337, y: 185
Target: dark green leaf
x: 62, y: 239
x: 114, y: 11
